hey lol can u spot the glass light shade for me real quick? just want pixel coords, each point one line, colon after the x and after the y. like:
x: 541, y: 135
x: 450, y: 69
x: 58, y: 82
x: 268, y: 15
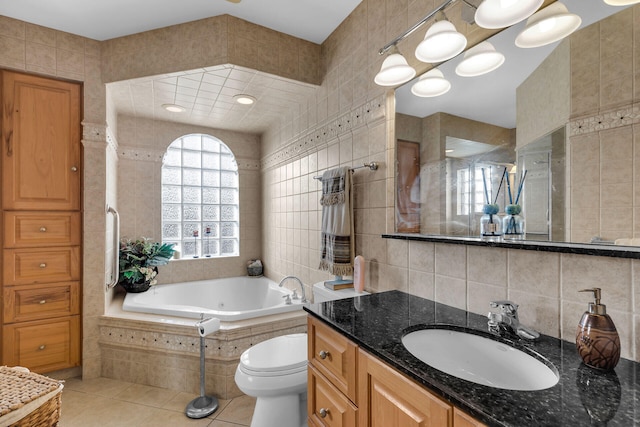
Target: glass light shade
x: 551, y: 24
x: 480, y: 59
x: 244, y: 99
x: 173, y: 108
x: 441, y: 42
x: 504, y: 13
x: 621, y: 2
x: 430, y: 84
x: 394, y: 71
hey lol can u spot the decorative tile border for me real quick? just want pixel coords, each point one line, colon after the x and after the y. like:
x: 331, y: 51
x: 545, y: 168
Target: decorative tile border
x: 156, y: 156
x: 224, y: 345
x: 610, y: 119
x: 141, y: 154
x: 94, y: 134
x: 319, y: 136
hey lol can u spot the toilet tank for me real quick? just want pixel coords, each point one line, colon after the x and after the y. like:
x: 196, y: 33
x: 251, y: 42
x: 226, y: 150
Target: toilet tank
x: 321, y: 294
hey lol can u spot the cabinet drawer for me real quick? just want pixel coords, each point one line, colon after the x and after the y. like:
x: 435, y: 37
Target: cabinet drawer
x: 26, y: 266
x: 29, y: 229
x: 29, y: 302
x: 326, y: 406
x: 334, y: 356
x: 43, y: 345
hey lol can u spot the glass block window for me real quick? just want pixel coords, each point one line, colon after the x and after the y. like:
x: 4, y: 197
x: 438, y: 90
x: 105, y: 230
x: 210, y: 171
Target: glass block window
x: 200, y: 197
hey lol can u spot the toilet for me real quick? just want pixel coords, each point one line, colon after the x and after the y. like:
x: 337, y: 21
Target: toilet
x: 275, y: 373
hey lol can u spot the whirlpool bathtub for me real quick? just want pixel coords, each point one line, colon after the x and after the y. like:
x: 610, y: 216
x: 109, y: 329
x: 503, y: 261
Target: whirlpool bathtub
x: 229, y: 299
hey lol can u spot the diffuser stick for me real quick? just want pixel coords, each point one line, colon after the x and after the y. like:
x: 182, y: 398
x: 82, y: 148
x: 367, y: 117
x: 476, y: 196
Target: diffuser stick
x: 524, y: 175
x: 484, y: 182
x: 509, y: 189
x: 495, y: 200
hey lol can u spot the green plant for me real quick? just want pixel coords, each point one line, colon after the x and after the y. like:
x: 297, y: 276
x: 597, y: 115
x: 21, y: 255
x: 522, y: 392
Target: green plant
x: 140, y: 258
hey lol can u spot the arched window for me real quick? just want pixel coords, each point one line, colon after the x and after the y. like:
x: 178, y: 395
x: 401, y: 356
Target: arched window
x: 200, y: 210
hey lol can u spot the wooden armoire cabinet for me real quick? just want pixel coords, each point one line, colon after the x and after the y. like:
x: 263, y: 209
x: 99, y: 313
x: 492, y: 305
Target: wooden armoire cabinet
x: 41, y: 222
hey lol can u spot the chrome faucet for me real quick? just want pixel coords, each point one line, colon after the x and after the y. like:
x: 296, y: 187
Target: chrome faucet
x: 295, y: 295
x: 508, y: 317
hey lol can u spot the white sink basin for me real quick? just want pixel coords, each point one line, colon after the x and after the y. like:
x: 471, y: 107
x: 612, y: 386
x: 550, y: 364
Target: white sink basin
x: 480, y: 360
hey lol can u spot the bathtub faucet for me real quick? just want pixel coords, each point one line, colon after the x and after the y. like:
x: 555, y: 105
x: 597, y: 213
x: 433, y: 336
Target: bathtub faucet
x: 304, y: 298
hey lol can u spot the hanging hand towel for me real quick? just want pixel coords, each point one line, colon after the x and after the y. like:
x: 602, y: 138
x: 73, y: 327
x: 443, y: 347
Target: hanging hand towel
x: 336, y: 251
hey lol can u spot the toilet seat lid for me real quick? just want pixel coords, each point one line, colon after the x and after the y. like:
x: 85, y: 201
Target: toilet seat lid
x: 283, y: 353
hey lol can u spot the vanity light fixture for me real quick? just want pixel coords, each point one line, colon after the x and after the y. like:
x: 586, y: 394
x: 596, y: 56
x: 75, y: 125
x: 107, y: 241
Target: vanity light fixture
x: 549, y: 25
x: 173, y: 108
x: 431, y: 84
x: 621, y: 2
x: 495, y: 14
x: 244, y: 99
x: 442, y: 42
x: 480, y: 59
x: 394, y: 70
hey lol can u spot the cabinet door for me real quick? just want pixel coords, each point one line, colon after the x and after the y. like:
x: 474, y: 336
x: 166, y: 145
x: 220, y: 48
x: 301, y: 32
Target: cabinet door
x: 389, y: 399
x: 44, y: 345
x: 40, y: 143
x: 460, y: 419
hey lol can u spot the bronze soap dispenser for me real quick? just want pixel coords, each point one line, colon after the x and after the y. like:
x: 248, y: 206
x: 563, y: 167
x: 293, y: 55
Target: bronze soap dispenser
x: 597, y: 338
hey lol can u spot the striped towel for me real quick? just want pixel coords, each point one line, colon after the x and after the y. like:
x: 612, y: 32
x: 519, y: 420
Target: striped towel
x: 337, y: 245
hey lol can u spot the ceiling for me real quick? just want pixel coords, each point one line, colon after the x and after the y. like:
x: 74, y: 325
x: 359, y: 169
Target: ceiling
x: 310, y: 20
x: 207, y: 95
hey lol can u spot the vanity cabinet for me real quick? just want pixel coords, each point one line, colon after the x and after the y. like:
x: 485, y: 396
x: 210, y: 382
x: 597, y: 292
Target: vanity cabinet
x: 348, y: 387
x: 41, y: 222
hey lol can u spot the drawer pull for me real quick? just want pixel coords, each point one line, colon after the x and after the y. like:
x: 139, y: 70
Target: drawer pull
x: 323, y: 412
x: 44, y: 301
x: 42, y: 347
x: 43, y: 229
x: 323, y: 354
x: 43, y: 265
x: 74, y: 169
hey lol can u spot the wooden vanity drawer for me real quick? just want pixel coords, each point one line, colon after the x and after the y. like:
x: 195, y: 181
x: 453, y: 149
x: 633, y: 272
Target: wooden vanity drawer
x: 334, y: 356
x: 37, y: 229
x: 29, y: 302
x: 26, y: 266
x: 43, y: 345
x: 326, y: 406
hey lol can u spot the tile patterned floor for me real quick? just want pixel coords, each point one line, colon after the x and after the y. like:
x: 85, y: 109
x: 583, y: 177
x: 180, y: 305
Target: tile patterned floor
x: 105, y: 402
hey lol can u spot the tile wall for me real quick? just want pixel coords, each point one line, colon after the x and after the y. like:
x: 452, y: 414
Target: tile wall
x: 141, y: 147
x: 544, y: 284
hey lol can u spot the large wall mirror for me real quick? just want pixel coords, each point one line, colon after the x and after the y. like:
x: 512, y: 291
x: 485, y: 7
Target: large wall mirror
x: 565, y: 113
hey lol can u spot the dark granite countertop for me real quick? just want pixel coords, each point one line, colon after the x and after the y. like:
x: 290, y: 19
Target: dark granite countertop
x: 378, y: 321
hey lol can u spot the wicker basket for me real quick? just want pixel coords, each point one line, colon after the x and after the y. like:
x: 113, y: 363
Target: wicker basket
x: 28, y: 399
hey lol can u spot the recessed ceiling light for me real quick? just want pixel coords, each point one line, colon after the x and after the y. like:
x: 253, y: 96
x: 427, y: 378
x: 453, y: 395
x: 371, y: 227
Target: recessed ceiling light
x: 173, y: 108
x: 244, y: 99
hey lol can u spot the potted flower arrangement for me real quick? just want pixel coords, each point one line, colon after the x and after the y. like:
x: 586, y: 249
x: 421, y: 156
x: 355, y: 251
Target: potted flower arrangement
x: 139, y: 261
